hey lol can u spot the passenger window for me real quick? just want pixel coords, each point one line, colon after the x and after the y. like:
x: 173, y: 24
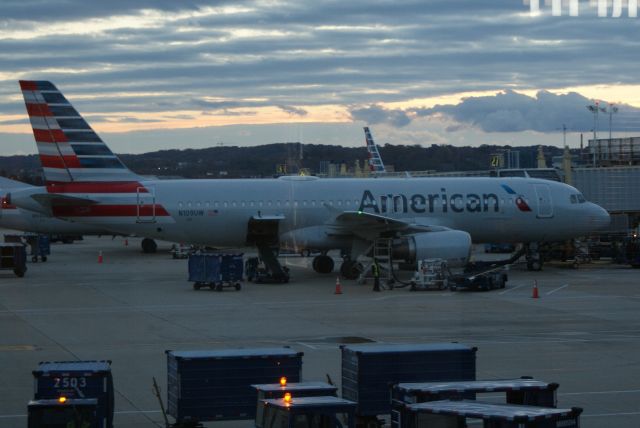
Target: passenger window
x: 216, y: 204
x: 180, y: 204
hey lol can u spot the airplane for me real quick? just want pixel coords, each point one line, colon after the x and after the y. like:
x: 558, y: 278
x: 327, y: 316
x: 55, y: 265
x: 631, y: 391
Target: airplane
x: 436, y: 217
x: 375, y: 160
x: 15, y: 218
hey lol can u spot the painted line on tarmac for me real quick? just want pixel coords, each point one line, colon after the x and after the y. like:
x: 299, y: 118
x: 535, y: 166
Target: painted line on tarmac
x: 601, y: 415
x: 557, y: 289
x: 307, y: 345
x: 628, y: 391
x: 510, y: 289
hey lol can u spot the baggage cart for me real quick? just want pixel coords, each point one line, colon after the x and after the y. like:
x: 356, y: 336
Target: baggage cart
x: 216, y: 385
x: 216, y: 270
x: 457, y: 414
x: 369, y: 370
x: 320, y: 412
x: 78, y: 380
x: 62, y: 412
x: 295, y: 389
x: 13, y: 257
x: 526, y: 391
x: 39, y: 245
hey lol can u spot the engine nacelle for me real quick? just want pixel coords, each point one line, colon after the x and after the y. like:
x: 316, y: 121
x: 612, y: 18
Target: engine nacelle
x: 454, y: 246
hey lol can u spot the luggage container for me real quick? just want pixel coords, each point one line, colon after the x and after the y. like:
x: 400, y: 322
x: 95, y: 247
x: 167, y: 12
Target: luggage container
x: 457, y: 414
x: 39, y: 244
x: 525, y: 391
x: 216, y: 270
x: 368, y: 371
x: 296, y: 389
x: 63, y: 413
x: 13, y: 257
x: 216, y: 385
x: 319, y: 412
x: 75, y: 380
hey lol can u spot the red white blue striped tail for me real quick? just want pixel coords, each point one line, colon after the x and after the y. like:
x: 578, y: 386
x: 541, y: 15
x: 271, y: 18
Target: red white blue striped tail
x: 375, y: 161
x: 70, y: 151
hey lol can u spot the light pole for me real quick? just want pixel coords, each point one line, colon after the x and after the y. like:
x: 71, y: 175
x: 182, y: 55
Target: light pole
x: 612, y: 109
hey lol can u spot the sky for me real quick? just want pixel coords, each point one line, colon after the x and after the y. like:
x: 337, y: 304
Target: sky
x: 160, y: 74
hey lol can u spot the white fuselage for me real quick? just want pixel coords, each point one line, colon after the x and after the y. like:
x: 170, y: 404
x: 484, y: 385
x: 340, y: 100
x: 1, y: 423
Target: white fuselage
x: 217, y: 212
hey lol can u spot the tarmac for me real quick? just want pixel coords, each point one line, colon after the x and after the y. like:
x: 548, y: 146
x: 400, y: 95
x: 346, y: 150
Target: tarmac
x: 583, y: 332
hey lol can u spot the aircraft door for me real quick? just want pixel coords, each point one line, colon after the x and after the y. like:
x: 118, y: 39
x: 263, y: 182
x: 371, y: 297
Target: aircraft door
x: 145, y: 205
x: 544, y: 202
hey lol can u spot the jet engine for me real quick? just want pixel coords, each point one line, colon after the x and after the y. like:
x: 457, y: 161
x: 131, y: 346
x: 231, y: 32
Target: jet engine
x: 454, y: 246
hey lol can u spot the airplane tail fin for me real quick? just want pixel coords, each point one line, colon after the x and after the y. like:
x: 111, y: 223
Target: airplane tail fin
x: 375, y: 161
x: 70, y: 151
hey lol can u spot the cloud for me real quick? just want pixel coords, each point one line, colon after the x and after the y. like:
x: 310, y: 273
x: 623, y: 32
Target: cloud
x: 376, y: 114
x: 509, y: 111
x: 294, y: 111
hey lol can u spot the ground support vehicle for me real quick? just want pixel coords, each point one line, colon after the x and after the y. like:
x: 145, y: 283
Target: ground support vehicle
x: 78, y: 380
x: 368, y: 370
x: 274, y: 391
x: 317, y: 412
x: 182, y: 251
x: 431, y: 274
x: 216, y: 270
x: 39, y: 245
x: 216, y: 385
x: 461, y: 413
x: 63, y: 413
x: 525, y: 391
x: 13, y: 257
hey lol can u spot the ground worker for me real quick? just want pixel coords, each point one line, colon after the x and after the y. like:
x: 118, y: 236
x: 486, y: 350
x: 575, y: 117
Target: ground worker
x: 375, y: 270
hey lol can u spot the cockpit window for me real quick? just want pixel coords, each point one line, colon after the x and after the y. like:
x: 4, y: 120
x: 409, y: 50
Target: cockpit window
x: 577, y: 198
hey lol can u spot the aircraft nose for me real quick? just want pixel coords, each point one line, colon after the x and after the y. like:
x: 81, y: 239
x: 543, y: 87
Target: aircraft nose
x: 598, y: 218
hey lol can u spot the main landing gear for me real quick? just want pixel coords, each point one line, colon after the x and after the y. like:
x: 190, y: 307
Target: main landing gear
x: 149, y: 246
x: 350, y: 269
x: 323, y: 263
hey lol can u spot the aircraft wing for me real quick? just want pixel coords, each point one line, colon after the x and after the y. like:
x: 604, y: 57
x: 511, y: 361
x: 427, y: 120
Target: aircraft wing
x: 370, y: 226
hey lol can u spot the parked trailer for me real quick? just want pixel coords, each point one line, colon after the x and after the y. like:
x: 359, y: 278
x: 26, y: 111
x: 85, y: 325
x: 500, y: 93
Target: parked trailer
x: 217, y: 385
x: 13, y: 257
x: 368, y: 370
x: 320, y: 412
x: 457, y: 414
x: 216, y: 270
x: 75, y: 380
x: 54, y: 413
x: 39, y: 244
x: 524, y: 391
x: 271, y: 391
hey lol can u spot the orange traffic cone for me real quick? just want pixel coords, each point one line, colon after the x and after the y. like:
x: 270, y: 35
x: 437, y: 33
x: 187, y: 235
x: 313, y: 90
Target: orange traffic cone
x: 535, y: 290
x: 100, y: 256
x: 338, y: 286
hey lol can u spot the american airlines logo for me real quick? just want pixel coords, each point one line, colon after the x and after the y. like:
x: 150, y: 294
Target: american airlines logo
x: 605, y: 8
x: 433, y: 202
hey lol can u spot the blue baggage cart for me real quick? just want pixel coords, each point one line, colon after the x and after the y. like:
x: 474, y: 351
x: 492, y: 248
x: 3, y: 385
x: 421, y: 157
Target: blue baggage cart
x: 216, y: 385
x: 78, y: 380
x: 216, y: 270
x: 460, y: 414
